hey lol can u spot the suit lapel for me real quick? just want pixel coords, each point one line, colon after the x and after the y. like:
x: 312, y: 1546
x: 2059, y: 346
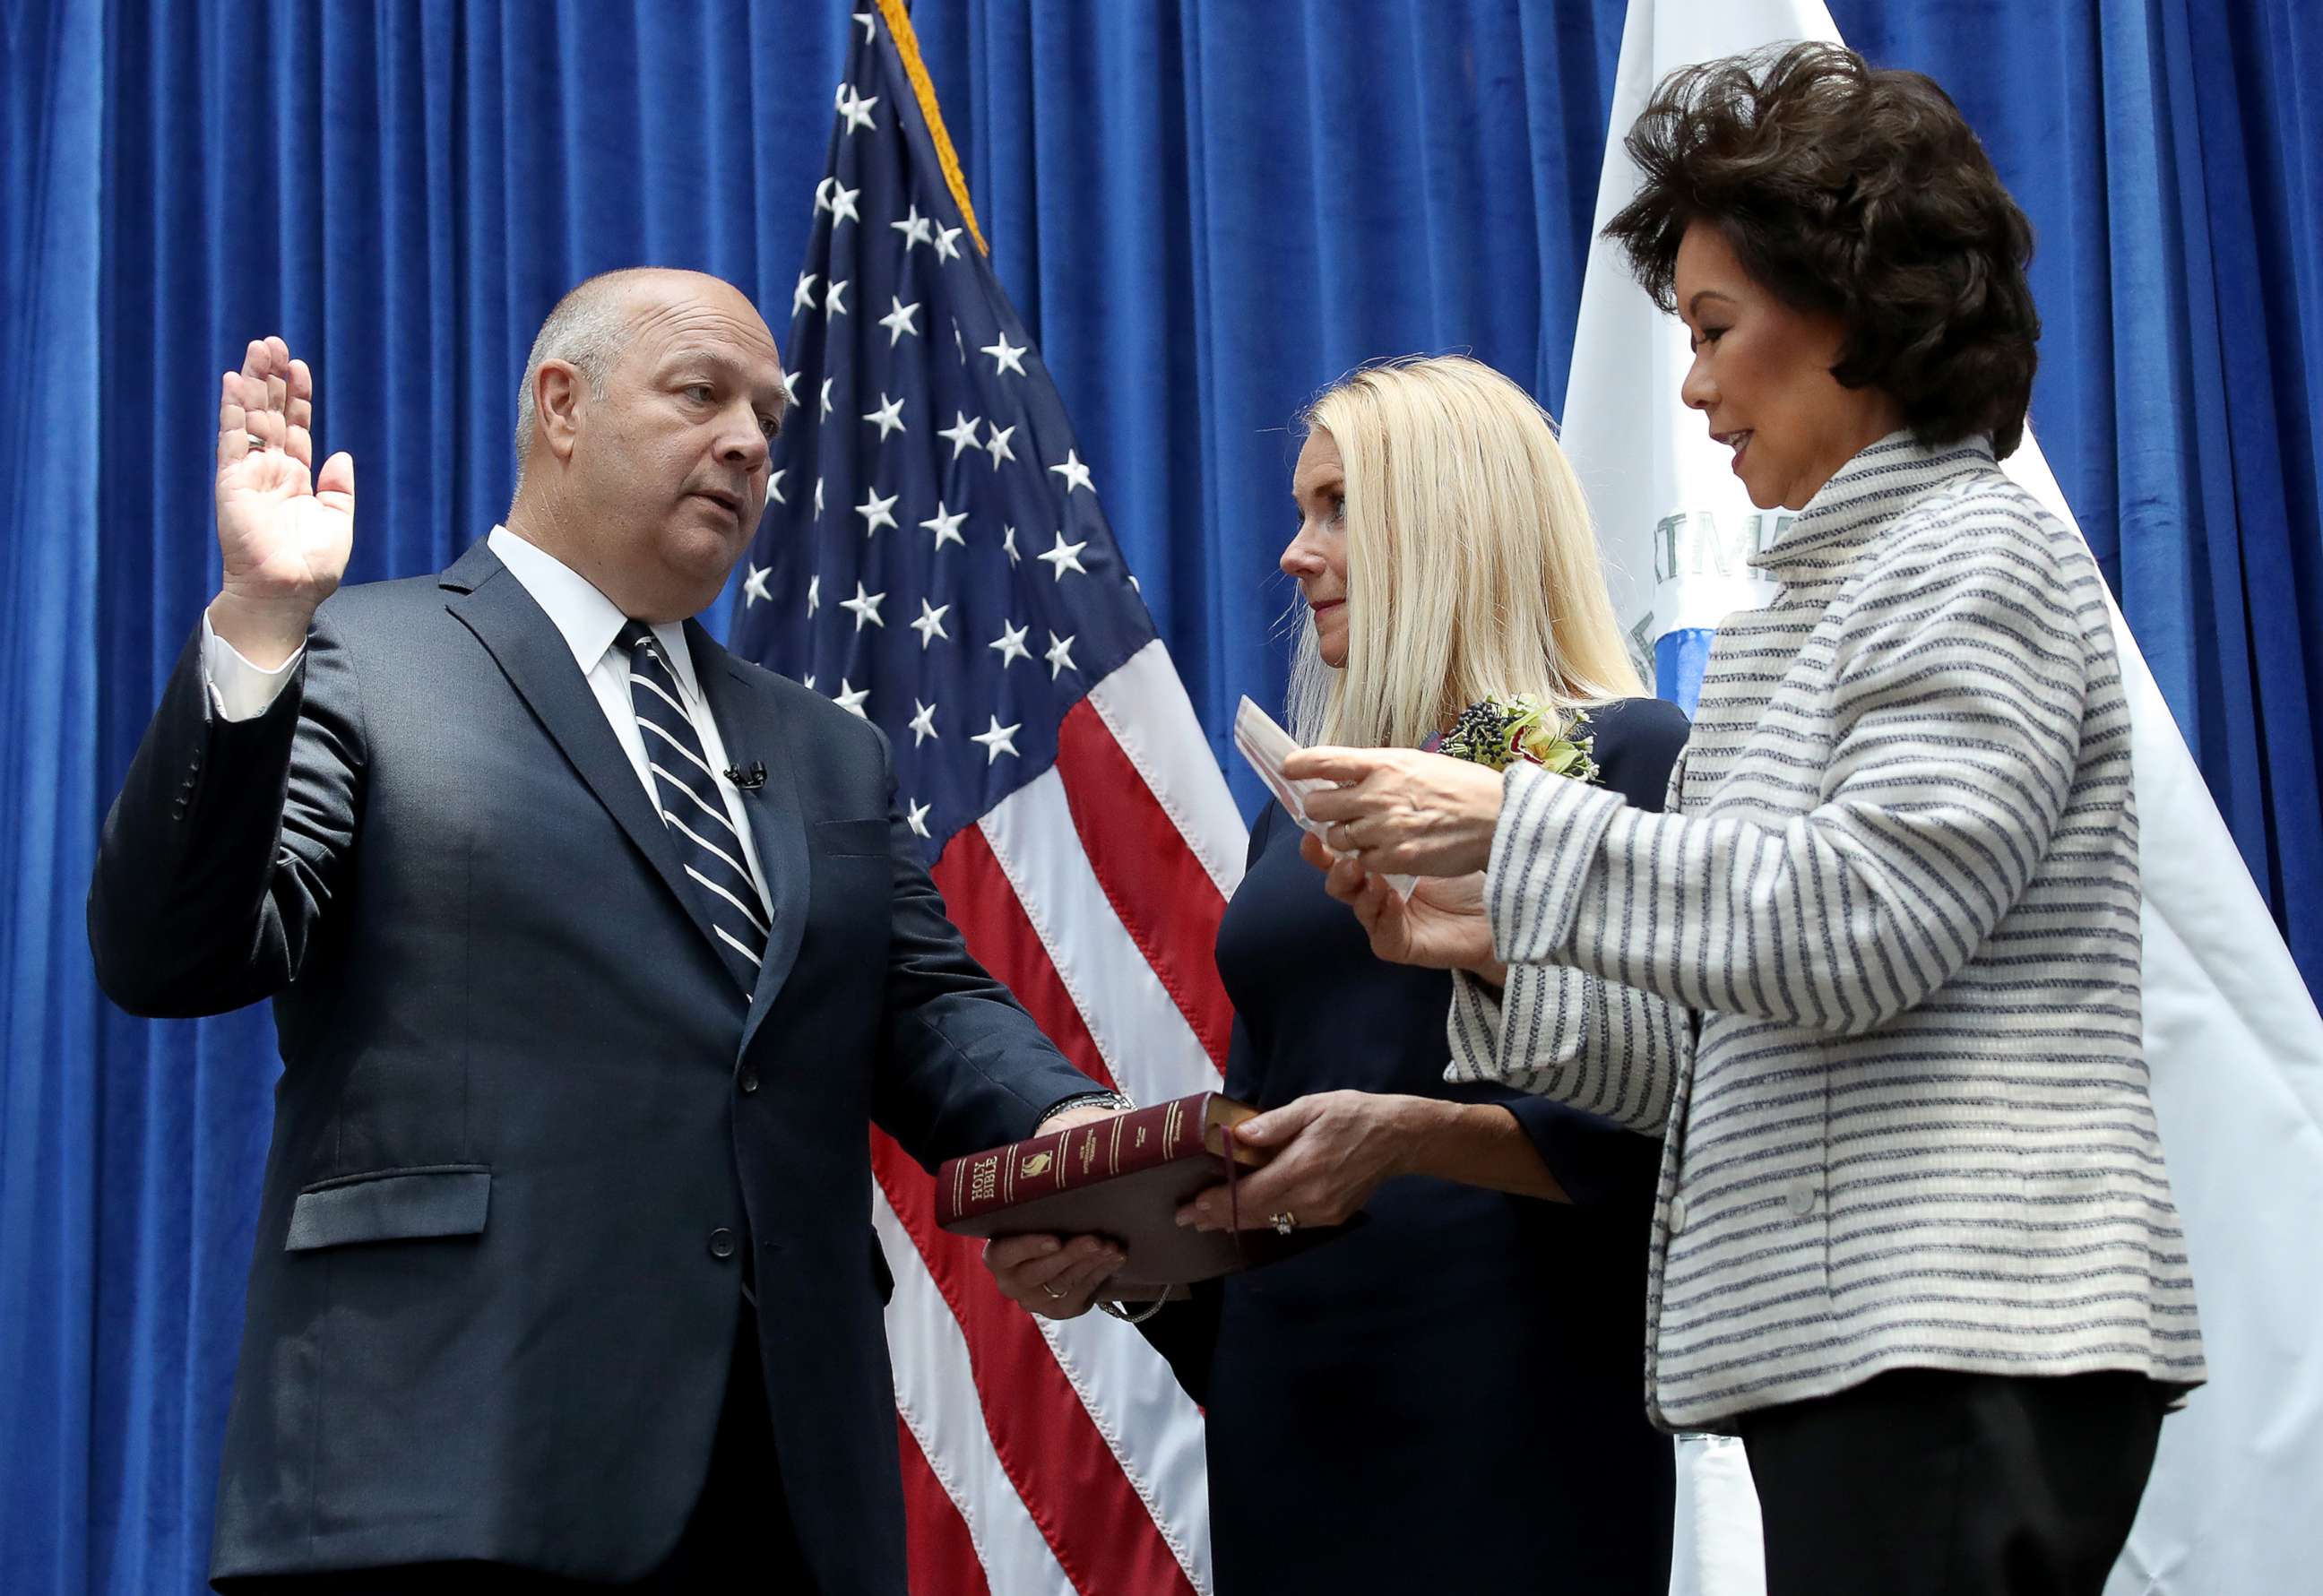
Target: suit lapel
x: 752, y: 723
x: 533, y: 655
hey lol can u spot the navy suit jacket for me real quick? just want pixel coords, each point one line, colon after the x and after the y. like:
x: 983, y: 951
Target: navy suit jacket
x: 527, y: 1127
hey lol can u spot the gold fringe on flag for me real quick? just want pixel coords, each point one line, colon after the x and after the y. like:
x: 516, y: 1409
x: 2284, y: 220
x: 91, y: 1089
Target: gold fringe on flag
x: 907, y: 45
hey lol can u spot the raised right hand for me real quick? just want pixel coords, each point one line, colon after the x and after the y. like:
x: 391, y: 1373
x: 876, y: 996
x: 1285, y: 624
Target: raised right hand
x: 284, y: 531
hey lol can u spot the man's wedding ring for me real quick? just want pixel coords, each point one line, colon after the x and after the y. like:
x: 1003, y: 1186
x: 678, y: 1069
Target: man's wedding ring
x: 257, y: 443
x: 1054, y: 1295
x: 1284, y: 1223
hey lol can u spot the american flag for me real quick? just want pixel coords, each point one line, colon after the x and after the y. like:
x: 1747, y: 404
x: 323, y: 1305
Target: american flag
x: 934, y: 559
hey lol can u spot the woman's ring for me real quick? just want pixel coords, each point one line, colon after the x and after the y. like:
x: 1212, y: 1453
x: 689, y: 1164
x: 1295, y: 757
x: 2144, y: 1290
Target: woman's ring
x: 1284, y: 1223
x: 1054, y: 1295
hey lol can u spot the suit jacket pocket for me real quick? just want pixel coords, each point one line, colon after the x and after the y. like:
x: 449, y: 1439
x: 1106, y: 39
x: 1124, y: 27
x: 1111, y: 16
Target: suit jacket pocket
x: 852, y: 837
x: 391, y: 1206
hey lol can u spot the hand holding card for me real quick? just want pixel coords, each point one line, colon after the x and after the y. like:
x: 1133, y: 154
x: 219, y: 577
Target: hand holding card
x: 1266, y: 745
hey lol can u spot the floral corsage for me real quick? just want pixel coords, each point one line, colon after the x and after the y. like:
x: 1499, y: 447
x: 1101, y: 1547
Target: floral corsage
x: 1500, y: 731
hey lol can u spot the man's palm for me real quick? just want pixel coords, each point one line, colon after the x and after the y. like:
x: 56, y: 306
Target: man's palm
x: 277, y: 533
x: 284, y: 531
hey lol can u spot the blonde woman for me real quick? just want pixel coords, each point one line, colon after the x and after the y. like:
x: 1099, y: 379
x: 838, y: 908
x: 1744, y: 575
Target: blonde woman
x: 1445, y: 1398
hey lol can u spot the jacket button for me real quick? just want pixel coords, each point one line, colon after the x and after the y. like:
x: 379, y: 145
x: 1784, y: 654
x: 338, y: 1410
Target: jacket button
x: 749, y: 1082
x: 722, y: 1242
x: 1676, y: 1215
x: 1801, y: 1197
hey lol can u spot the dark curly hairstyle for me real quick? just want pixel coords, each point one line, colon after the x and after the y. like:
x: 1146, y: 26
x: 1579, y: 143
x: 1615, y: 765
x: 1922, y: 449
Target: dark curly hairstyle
x: 1858, y: 193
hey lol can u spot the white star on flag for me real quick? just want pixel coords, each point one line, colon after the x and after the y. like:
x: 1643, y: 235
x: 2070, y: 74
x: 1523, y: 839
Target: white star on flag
x: 898, y: 319
x: 877, y: 512
x: 834, y: 302
x: 851, y: 699
x: 1074, y: 473
x: 1009, y: 544
x: 1061, y: 657
x: 929, y: 625
x: 813, y: 597
x: 870, y: 33
x: 946, y: 527
x: 916, y: 815
x: 790, y: 388
x: 754, y: 585
x: 827, y: 382
x: 914, y: 227
x: 946, y: 246
x: 997, y: 740
x: 924, y: 726
x: 856, y: 110
x: 998, y: 445
x: 803, y: 294
x: 775, y: 485
x: 888, y: 417
x: 1010, y: 644
x: 961, y: 433
x: 1065, y: 556
x: 842, y: 204
x: 1005, y: 356
x: 818, y: 498
x: 866, y: 606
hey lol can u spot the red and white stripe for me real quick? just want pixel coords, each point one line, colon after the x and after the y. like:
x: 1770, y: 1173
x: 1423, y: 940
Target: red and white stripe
x: 1042, y: 1458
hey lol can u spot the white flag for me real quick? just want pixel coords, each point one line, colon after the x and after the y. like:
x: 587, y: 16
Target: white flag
x: 2233, y: 1040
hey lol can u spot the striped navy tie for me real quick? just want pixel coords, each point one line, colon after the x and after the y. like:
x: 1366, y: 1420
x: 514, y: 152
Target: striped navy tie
x: 693, y: 809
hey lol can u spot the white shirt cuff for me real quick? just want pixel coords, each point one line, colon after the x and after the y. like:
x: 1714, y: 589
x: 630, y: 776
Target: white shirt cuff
x: 239, y: 690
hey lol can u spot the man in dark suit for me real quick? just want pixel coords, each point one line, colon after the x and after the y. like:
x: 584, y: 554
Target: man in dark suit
x: 594, y: 952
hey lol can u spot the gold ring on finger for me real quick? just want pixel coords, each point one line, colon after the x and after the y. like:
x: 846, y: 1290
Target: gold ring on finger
x: 1054, y: 1295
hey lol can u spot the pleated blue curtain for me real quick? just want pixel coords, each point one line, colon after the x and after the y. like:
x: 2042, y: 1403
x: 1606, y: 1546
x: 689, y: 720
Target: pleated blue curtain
x: 1205, y: 212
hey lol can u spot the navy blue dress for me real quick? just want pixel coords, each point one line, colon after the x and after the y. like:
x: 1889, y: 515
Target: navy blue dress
x: 1450, y: 1397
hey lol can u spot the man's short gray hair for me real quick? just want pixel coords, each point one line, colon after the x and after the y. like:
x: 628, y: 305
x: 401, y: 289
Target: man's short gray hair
x: 588, y: 330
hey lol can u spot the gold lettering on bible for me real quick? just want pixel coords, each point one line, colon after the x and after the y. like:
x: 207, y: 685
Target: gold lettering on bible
x: 984, y: 1181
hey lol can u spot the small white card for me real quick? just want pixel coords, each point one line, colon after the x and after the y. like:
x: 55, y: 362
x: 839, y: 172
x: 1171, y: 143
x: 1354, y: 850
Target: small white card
x: 1266, y: 745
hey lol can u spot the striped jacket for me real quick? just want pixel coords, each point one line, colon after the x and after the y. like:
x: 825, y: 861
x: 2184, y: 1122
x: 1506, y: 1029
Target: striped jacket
x: 1906, y: 1123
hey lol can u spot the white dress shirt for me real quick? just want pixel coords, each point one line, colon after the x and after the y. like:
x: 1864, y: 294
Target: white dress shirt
x: 589, y: 621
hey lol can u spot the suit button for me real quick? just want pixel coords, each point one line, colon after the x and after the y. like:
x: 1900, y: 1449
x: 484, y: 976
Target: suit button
x: 1801, y: 1197
x: 1676, y: 1215
x: 749, y: 1082
x: 722, y: 1242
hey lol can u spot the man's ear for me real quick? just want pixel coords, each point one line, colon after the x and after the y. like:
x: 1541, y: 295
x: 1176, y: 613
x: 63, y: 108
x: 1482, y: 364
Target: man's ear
x: 560, y: 394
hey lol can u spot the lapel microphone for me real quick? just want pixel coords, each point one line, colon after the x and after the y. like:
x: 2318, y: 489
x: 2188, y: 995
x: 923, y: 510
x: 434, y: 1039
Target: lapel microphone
x: 749, y: 777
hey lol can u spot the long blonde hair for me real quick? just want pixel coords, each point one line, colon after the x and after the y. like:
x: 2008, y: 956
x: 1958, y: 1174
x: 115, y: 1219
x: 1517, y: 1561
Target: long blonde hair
x: 1472, y: 566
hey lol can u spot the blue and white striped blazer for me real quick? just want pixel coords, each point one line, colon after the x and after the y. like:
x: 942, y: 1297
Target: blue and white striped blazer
x: 1875, y: 974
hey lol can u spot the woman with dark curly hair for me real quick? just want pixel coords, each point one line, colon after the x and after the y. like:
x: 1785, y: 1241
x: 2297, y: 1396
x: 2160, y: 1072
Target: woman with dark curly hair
x: 1913, y: 1242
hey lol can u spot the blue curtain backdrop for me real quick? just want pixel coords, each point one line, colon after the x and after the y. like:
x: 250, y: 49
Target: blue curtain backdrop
x: 1204, y: 212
